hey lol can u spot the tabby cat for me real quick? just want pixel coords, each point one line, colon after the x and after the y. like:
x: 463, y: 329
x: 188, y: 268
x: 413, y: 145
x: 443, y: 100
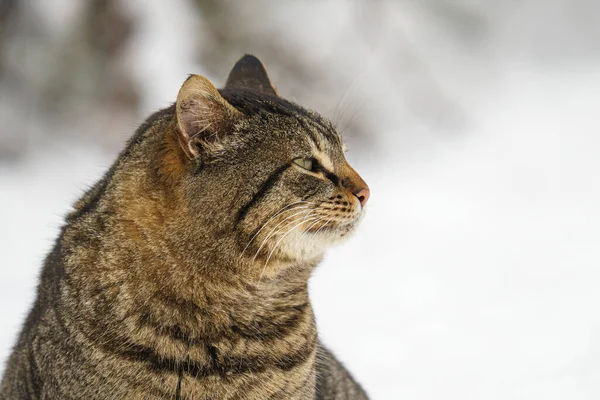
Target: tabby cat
x: 182, y: 274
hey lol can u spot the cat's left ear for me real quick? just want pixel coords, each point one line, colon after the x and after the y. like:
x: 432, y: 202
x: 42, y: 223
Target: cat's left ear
x: 249, y: 73
x: 204, y: 117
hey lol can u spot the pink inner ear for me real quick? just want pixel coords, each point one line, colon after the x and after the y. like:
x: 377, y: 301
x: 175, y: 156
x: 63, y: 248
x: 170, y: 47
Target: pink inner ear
x: 203, y: 116
x: 195, y: 117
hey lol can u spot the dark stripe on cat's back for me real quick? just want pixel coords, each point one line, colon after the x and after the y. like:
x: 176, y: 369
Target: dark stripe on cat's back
x: 35, y: 381
x: 264, y: 189
x: 179, y: 378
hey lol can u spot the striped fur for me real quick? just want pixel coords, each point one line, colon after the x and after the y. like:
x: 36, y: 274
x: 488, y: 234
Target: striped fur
x: 182, y: 273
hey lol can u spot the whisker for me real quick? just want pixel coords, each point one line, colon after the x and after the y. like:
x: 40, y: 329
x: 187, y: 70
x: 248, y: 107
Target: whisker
x: 324, y: 225
x: 310, y: 227
x: 306, y: 219
x: 281, y: 211
x: 274, y: 228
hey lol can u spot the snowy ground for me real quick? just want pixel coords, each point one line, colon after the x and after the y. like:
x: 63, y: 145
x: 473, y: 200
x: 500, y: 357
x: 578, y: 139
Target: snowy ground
x: 475, y: 274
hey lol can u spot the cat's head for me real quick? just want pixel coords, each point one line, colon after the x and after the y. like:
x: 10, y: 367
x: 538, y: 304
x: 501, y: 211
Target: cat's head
x: 262, y: 173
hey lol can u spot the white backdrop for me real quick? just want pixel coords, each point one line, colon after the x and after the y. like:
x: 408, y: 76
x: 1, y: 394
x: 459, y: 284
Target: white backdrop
x: 476, y: 272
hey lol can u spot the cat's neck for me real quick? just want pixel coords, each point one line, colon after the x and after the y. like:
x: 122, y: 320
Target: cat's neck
x: 246, y: 331
x: 145, y: 280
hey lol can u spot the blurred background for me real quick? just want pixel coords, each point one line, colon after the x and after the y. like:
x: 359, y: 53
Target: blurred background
x: 476, y: 273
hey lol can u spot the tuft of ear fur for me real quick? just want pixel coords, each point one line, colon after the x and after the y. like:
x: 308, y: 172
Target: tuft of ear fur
x: 249, y: 73
x: 204, y: 117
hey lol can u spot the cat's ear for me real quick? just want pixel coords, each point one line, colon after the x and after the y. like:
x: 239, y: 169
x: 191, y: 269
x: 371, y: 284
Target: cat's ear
x: 204, y: 117
x: 249, y: 73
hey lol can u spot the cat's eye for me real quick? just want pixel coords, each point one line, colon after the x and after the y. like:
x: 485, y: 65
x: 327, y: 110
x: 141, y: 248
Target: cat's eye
x: 305, y: 163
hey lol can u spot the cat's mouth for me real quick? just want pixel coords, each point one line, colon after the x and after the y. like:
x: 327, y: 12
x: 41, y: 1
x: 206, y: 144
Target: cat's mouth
x: 337, y: 228
x: 313, y: 240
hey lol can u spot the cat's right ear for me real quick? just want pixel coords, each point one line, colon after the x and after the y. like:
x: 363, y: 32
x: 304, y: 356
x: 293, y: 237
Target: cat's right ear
x: 250, y: 73
x: 204, y: 117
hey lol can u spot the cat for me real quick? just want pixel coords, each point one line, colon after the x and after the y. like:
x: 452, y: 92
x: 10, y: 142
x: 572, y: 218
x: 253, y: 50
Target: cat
x: 182, y: 273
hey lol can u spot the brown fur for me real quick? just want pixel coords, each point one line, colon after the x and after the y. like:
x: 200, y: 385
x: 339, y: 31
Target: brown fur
x: 171, y: 278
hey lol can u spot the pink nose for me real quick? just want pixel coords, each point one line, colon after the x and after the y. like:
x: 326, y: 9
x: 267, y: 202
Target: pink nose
x: 362, y: 195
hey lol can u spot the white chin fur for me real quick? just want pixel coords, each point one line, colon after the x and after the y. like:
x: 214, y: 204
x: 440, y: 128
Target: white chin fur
x: 306, y: 246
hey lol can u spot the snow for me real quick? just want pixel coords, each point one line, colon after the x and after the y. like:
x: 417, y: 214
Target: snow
x: 475, y: 274
x: 35, y: 196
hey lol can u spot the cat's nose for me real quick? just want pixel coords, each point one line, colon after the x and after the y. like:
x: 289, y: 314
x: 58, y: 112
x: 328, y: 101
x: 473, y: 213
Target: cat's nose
x: 362, y: 195
x: 356, y: 185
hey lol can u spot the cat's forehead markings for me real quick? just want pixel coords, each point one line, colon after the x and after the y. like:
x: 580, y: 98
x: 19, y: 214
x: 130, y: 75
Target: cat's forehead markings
x: 320, y: 153
x: 317, y: 132
x: 323, y: 159
x: 316, y: 138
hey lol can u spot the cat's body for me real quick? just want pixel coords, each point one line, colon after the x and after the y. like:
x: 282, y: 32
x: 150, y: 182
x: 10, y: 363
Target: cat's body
x: 173, y: 277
